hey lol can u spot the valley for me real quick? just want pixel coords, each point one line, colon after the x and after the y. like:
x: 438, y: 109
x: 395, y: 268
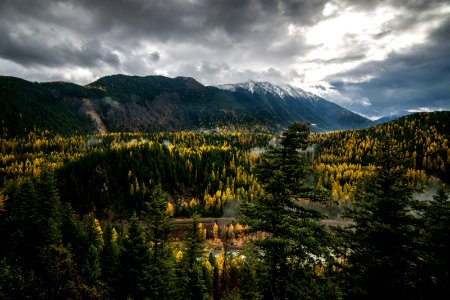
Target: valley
x: 207, y: 199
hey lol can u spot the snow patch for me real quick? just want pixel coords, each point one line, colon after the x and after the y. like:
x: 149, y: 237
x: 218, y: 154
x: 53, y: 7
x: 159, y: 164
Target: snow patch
x: 282, y: 91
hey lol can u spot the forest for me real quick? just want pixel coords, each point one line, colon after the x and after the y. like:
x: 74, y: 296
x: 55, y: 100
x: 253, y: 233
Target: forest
x: 361, y: 214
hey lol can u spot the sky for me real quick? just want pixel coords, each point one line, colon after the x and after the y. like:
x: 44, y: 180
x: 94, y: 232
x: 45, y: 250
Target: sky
x: 373, y: 57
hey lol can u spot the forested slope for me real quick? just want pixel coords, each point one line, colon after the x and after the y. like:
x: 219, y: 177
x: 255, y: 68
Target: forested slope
x: 121, y: 103
x: 343, y: 157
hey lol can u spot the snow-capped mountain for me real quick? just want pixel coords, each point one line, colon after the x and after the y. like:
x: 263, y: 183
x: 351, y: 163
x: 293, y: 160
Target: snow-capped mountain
x: 283, y: 91
x: 290, y: 104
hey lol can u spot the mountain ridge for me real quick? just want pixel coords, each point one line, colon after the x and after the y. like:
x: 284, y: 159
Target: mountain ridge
x: 122, y: 103
x: 283, y: 91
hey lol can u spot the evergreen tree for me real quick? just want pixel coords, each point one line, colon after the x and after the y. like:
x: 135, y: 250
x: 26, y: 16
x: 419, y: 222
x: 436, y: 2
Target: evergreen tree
x: 92, y: 269
x: 109, y: 258
x: 192, y: 281
x: 437, y: 245
x: 215, y: 276
x: 250, y: 279
x: 12, y: 282
x: 49, y: 207
x: 382, y: 243
x: 295, y: 238
x: 19, y: 231
x: 135, y: 260
x: 32, y: 227
x: 159, y: 227
x: 59, y: 278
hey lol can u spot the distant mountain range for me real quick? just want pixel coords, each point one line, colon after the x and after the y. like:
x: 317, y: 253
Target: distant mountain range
x: 391, y: 117
x: 132, y: 103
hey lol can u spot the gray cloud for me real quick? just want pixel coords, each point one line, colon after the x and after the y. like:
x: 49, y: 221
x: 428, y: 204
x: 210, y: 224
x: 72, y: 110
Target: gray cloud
x: 155, y: 56
x: 417, y: 78
x: 223, y: 41
x: 33, y: 49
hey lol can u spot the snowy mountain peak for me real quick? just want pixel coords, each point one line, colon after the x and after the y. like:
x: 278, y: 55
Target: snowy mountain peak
x: 264, y: 87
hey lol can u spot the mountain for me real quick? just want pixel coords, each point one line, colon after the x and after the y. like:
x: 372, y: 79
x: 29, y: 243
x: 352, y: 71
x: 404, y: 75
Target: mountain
x: 283, y: 91
x: 294, y: 104
x: 26, y: 105
x: 132, y: 103
x: 391, y: 117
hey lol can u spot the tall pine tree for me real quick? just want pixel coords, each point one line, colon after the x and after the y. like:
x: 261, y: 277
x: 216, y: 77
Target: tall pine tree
x: 295, y: 240
x: 191, y: 276
x: 382, y: 243
x: 436, y: 245
x: 134, y: 260
x: 159, y: 226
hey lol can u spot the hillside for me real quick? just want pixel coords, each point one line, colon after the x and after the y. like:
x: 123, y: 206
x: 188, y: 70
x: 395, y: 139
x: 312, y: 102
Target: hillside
x: 26, y: 105
x: 122, y: 103
x: 345, y: 156
x: 206, y: 167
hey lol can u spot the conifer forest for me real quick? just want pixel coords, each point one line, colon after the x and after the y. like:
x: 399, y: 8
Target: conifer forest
x: 228, y: 213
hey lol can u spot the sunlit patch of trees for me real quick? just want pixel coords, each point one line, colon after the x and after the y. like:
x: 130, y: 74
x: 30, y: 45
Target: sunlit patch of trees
x: 202, y: 172
x: 344, y: 157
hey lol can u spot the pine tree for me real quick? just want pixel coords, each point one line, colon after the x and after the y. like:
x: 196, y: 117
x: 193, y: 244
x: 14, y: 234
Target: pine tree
x: 382, y: 243
x: 192, y: 282
x: 49, y: 218
x: 159, y: 227
x: 215, y: 276
x: 12, y: 282
x: 295, y: 236
x: 134, y: 261
x: 109, y: 258
x: 437, y: 245
x: 59, y: 278
x: 92, y: 269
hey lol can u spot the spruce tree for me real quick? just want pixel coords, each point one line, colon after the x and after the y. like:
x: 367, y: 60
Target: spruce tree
x: 159, y: 227
x: 191, y: 275
x: 436, y: 245
x: 109, y: 258
x: 382, y: 243
x: 92, y: 269
x: 134, y: 260
x: 59, y: 278
x: 295, y: 238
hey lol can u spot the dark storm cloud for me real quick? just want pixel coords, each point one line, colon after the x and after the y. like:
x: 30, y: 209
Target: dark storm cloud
x: 115, y: 22
x: 418, y: 78
x: 224, y: 41
x: 303, y: 11
x: 155, y: 56
x: 165, y: 19
x: 33, y: 50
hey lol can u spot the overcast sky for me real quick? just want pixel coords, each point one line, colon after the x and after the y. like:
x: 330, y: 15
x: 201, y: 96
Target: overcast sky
x: 374, y: 57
